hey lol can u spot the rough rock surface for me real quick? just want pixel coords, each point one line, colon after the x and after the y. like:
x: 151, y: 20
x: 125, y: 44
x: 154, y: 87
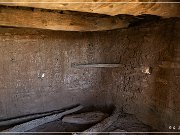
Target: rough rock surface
x: 109, y: 8
x: 36, y: 73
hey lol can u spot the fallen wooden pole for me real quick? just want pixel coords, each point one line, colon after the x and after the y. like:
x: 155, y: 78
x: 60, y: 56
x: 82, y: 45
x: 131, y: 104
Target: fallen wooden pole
x: 23, y: 119
x: 37, y: 122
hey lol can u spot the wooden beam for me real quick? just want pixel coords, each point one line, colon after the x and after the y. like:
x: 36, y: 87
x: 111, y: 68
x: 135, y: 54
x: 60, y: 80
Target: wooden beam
x: 97, y: 65
x: 22, y: 119
x: 109, y: 7
x: 24, y: 127
x: 54, y: 20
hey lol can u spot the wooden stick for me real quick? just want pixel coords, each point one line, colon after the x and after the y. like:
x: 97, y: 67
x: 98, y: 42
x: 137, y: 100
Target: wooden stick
x: 37, y: 122
x: 97, y: 65
x: 23, y: 119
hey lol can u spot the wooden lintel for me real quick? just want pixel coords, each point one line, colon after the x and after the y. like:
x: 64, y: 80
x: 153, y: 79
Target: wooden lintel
x: 163, y: 8
x: 59, y: 21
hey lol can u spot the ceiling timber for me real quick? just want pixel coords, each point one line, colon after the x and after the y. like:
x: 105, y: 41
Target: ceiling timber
x: 133, y: 7
x: 66, y: 20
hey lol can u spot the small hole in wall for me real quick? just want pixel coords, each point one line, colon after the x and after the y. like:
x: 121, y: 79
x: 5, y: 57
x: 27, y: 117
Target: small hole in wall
x: 90, y: 45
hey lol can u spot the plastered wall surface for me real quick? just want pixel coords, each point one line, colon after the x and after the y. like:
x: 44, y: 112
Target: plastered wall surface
x: 36, y: 73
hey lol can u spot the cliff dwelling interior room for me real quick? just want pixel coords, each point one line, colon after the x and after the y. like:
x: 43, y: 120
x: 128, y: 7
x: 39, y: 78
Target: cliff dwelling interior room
x: 89, y: 66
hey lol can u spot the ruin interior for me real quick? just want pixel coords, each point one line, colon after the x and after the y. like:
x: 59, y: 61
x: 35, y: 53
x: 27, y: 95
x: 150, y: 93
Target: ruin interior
x: 89, y: 67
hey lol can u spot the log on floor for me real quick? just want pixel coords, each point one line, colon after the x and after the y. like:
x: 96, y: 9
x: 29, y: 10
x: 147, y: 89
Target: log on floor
x: 37, y: 122
x: 26, y: 118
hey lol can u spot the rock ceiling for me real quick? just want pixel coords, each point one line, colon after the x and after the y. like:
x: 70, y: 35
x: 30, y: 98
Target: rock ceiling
x: 62, y: 18
x: 109, y: 7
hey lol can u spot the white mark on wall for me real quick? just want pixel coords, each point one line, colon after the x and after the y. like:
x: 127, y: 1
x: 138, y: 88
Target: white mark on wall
x: 41, y: 75
x: 146, y: 70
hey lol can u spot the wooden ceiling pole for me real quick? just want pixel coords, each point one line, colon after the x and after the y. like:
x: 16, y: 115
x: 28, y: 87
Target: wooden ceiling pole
x: 163, y: 8
x: 66, y: 21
